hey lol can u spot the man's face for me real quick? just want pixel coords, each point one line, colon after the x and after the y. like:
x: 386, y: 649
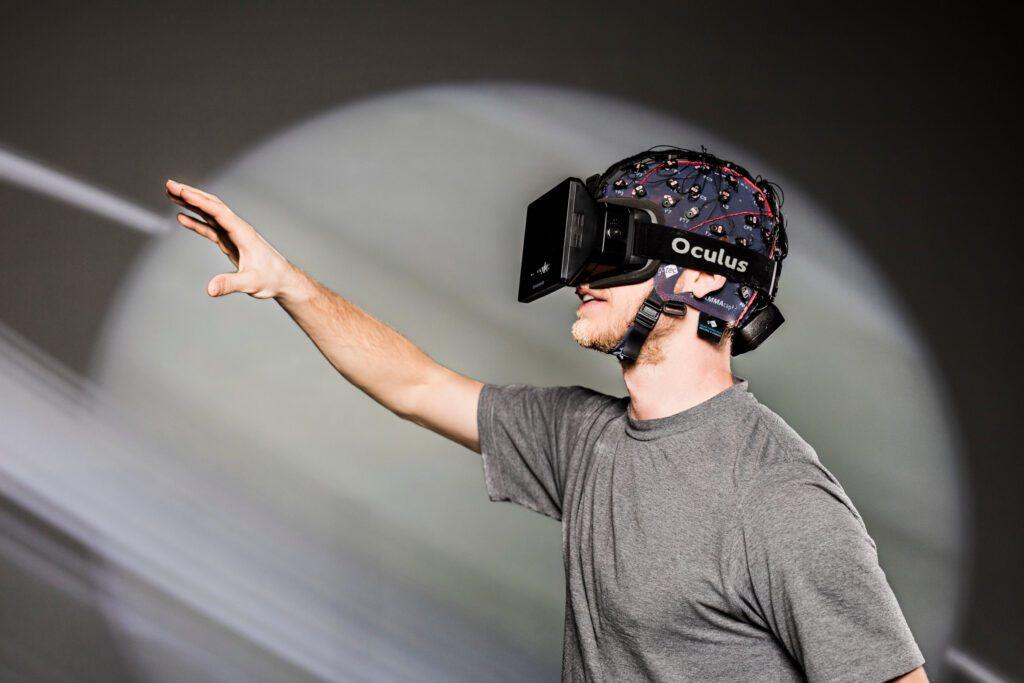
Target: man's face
x: 605, y: 314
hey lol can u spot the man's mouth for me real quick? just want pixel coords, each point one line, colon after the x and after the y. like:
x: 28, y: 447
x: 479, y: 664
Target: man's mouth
x: 588, y: 299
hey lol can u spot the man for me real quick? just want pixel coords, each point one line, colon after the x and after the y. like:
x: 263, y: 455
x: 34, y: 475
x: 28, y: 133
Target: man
x: 702, y: 538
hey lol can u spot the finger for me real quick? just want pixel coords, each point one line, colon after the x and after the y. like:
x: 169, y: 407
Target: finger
x: 210, y: 220
x: 198, y: 226
x: 176, y: 199
x: 219, y: 211
x: 176, y: 188
x: 214, y: 233
x: 205, y: 218
x: 227, y: 283
x: 180, y: 193
x: 204, y: 193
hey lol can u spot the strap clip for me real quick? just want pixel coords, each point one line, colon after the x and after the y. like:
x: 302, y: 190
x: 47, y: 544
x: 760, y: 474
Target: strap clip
x: 648, y: 315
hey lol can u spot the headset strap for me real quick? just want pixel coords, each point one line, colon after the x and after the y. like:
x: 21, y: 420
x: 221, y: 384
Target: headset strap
x: 736, y: 263
x: 646, y: 318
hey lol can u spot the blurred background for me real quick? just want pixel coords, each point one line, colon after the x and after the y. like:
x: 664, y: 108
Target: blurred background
x: 188, y: 491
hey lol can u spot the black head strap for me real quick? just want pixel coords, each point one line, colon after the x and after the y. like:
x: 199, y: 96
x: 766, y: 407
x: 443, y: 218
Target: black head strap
x: 646, y: 318
x: 710, y: 254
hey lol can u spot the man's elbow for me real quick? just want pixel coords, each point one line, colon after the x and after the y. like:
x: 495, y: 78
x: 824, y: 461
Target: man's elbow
x: 410, y: 401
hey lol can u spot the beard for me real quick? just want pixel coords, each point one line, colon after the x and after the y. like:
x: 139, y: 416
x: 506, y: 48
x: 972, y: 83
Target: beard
x: 601, y: 334
x: 604, y: 332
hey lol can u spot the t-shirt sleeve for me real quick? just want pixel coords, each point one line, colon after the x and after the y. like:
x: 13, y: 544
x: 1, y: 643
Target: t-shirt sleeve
x: 527, y: 435
x: 816, y: 580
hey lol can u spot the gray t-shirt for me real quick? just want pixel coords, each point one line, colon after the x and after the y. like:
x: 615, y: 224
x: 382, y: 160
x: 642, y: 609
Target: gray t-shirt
x: 709, y: 545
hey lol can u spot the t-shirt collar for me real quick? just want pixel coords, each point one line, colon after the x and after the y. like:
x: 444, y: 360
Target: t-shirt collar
x: 691, y: 417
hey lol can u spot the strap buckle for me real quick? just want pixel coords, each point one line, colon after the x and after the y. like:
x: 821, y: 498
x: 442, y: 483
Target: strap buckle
x: 648, y: 315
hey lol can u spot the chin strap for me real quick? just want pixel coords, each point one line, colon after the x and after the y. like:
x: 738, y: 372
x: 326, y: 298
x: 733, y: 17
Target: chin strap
x: 646, y: 318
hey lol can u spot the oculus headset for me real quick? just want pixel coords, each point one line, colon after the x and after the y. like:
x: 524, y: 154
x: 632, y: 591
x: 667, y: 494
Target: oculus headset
x: 651, y: 215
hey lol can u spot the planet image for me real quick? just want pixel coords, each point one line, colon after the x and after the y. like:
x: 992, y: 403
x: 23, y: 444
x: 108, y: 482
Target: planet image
x: 357, y: 546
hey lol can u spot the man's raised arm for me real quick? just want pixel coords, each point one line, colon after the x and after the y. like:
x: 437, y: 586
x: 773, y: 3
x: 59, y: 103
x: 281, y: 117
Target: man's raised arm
x: 369, y: 354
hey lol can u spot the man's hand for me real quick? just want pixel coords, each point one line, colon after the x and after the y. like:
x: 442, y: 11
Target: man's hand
x: 369, y: 354
x: 262, y: 271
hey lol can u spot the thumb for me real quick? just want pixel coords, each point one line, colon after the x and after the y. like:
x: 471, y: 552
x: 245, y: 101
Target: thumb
x: 227, y: 283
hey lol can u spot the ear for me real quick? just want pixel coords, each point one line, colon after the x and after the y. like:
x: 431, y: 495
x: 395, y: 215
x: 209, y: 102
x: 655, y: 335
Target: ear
x: 707, y: 283
x: 699, y: 283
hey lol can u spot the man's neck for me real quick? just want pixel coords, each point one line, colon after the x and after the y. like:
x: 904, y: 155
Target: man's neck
x: 688, y: 374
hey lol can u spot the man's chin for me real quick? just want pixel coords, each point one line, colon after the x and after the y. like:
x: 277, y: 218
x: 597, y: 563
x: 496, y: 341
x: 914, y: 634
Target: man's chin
x: 582, y: 332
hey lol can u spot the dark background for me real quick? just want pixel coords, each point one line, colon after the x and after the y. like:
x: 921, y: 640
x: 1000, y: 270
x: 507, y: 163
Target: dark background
x: 896, y: 120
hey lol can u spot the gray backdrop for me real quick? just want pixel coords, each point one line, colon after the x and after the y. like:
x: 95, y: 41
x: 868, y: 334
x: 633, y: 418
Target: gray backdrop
x: 893, y: 126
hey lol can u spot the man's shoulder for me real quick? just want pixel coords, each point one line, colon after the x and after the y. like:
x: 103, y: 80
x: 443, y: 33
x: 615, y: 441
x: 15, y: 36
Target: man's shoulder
x: 777, y: 469
x: 771, y: 451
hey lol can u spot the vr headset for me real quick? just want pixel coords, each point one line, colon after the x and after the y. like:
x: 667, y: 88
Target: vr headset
x: 572, y: 239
